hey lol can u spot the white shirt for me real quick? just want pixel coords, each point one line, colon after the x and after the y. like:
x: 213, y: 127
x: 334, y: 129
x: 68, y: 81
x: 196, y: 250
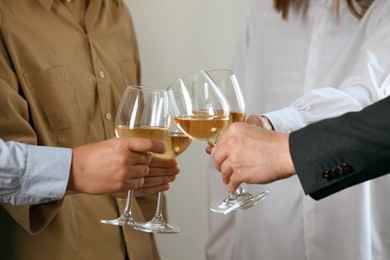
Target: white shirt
x: 32, y: 174
x: 297, y: 72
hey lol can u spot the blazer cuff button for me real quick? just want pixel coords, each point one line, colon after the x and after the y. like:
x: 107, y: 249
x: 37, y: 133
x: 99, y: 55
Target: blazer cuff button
x: 346, y: 168
x: 326, y: 175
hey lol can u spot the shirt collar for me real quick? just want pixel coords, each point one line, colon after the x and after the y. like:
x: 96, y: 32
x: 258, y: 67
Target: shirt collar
x: 47, y: 4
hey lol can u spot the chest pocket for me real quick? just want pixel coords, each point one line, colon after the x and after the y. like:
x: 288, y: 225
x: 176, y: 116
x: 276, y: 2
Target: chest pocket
x: 53, y: 97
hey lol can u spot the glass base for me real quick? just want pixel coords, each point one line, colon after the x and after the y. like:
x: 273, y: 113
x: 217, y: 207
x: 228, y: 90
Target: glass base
x: 237, y: 202
x: 123, y: 220
x: 220, y: 205
x: 157, y: 225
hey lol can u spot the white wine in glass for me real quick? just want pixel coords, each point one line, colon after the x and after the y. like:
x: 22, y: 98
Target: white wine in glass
x: 176, y: 143
x: 142, y: 112
x: 239, y: 200
x: 156, y: 133
x: 202, y: 127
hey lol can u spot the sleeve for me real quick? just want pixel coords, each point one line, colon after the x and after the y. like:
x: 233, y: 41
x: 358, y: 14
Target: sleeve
x: 337, y: 153
x: 15, y: 126
x: 368, y: 82
x: 25, y: 173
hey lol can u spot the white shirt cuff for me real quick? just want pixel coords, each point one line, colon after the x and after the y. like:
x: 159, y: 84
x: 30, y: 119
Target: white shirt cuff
x: 286, y: 119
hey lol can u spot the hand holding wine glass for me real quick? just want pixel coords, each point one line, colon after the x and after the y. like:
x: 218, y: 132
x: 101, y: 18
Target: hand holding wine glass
x: 142, y: 113
x: 240, y: 199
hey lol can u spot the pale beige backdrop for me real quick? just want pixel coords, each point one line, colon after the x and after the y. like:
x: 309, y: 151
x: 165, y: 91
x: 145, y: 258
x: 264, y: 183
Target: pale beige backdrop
x: 177, y: 37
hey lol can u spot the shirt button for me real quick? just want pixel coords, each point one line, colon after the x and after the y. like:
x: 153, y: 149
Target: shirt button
x: 101, y: 74
x: 108, y: 116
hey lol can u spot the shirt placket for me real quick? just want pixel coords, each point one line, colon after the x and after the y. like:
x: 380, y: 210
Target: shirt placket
x: 72, y: 7
x: 104, y: 96
x: 103, y: 84
x: 316, y: 43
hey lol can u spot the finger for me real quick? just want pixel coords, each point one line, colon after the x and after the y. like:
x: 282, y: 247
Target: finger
x: 208, y: 149
x: 219, y: 154
x: 136, y: 171
x: 162, y: 163
x: 254, y: 120
x: 235, y: 181
x: 150, y: 185
x: 150, y: 190
x: 210, y: 146
x: 161, y: 172
x: 121, y: 194
x: 129, y: 184
x: 226, y: 172
x: 260, y: 121
x: 233, y: 186
x: 231, y: 131
x: 155, y: 181
x: 144, y: 145
x: 138, y: 158
x: 134, y: 183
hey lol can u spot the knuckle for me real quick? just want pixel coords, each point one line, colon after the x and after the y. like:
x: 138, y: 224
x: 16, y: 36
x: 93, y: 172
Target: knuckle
x: 234, y: 157
x: 232, y: 141
x: 141, y: 182
x: 146, y: 170
x: 235, y: 127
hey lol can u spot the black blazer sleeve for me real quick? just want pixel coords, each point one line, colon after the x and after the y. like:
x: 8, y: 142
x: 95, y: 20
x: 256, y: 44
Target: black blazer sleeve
x: 337, y: 153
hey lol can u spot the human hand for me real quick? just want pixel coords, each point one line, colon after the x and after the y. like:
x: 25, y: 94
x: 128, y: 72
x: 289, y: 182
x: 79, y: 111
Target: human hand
x: 114, y: 165
x: 256, y: 120
x: 251, y: 154
x: 161, y: 173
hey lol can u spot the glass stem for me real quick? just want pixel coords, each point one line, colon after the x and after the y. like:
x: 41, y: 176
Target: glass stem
x: 232, y: 196
x: 158, y: 214
x: 127, y: 210
x: 239, y: 190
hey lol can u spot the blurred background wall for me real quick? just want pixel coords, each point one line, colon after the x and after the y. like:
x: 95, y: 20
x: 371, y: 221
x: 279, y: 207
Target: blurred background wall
x: 177, y: 37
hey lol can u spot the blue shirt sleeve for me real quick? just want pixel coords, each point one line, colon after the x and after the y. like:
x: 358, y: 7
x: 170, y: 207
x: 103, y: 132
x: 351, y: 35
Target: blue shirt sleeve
x: 32, y: 174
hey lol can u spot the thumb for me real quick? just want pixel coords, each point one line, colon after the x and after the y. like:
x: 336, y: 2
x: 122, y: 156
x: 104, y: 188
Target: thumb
x: 254, y: 120
x: 260, y: 121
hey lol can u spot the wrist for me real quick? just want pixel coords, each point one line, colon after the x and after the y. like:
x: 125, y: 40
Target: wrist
x: 71, y: 187
x: 290, y: 169
x: 286, y: 164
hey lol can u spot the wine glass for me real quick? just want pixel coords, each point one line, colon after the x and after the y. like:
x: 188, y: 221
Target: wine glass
x: 176, y: 142
x: 199, y: 107
x: 142, y: 112
x: 226, y: 80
